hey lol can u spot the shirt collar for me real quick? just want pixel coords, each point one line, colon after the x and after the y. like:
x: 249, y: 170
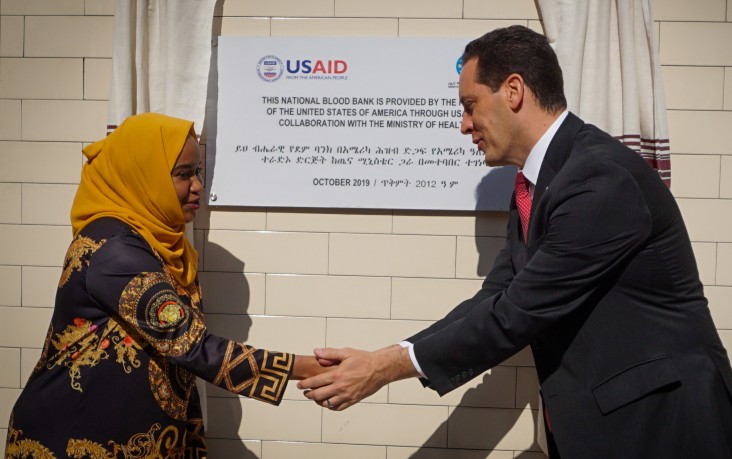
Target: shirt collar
x: 532, y: 166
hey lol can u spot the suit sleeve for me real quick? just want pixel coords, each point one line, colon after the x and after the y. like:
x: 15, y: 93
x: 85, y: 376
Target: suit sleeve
x: 596, y: 221
x: 130, y: 283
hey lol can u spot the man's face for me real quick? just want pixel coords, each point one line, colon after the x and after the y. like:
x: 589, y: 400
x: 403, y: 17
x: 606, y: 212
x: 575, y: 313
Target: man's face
x: 486, y: 116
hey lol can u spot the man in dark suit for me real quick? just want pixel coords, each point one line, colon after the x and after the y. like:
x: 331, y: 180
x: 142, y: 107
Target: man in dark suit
x: 600, y: 280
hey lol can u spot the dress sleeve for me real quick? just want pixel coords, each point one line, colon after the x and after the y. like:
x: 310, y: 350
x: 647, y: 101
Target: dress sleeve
x: 130, y: 283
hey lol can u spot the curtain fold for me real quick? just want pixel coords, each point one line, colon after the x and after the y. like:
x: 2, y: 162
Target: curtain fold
x: 161, y: 57
x: 612, y: 73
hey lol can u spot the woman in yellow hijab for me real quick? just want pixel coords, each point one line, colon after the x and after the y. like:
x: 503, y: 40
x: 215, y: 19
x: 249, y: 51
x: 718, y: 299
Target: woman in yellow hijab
x: 127, y: 336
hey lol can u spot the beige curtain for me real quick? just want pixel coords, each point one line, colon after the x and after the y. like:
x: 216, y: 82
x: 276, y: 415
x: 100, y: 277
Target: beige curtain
x: 162, y: 51
x: 612, y: 74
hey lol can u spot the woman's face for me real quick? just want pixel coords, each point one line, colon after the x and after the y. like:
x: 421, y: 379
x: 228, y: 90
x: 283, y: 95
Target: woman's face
x: 188, y: 178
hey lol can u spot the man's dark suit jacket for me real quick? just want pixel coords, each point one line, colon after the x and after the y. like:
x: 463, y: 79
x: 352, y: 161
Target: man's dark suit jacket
x: 607, y: 294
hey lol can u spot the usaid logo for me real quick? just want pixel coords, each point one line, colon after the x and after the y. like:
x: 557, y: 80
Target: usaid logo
x: 270, y: 68
x: 308, y: 66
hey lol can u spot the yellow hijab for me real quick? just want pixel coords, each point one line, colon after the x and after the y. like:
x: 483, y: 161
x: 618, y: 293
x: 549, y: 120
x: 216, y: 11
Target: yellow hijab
x: 127, y: 176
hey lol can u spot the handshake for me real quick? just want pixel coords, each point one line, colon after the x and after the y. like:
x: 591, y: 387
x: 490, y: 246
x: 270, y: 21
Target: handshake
x: 339, y: 378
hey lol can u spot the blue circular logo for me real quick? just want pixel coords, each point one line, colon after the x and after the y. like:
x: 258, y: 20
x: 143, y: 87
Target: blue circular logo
x: 459, y: 65
x: 270, y: 68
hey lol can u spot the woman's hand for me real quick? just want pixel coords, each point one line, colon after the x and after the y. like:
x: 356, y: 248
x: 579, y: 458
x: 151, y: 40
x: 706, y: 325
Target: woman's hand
x: 306, y: 366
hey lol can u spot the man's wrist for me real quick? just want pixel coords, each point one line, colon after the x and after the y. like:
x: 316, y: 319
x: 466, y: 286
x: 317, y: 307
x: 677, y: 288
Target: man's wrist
x: 396, y: 363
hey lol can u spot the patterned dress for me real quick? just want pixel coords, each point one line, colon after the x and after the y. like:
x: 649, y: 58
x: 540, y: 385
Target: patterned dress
x: 116, y: 378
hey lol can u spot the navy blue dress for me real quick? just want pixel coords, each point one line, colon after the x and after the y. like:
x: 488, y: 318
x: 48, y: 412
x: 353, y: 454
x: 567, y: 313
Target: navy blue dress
x: 116, y: 377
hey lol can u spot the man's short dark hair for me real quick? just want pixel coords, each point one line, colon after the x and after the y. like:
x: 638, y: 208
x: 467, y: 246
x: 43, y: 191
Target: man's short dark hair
x: 518, y: 49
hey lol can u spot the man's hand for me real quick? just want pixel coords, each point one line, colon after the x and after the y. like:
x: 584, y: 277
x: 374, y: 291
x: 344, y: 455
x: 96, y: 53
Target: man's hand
x: 359, y: 375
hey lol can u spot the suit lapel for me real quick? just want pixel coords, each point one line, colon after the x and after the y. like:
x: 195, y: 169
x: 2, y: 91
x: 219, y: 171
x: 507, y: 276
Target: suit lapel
x: 556, y: 155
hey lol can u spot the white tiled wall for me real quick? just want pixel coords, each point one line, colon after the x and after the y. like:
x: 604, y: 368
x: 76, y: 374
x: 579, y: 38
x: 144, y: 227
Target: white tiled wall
x: 295, y: 279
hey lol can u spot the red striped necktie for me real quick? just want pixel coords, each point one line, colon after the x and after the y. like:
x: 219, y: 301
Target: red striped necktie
x: 523, y: 203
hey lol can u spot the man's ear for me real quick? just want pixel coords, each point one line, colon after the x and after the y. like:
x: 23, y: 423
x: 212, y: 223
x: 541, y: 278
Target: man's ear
x: 515, y: 90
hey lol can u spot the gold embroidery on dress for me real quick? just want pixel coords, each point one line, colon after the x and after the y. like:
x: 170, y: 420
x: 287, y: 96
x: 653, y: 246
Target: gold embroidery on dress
x: 162, y: 389
x: 267, y: 381
x: 79, y: 346
x: 80, y: 248
x: 194, y: 439
x: 274, y: 373
x: 44, y: 353
x: 125, y: 345
x: 193, y: 291
x: 86, y: 448
x: 139, y: 446
x: 131, y: 300
x: 223, y: 378
x: 165, y: 311
x: 21, y: 448
x: 280, y: 362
